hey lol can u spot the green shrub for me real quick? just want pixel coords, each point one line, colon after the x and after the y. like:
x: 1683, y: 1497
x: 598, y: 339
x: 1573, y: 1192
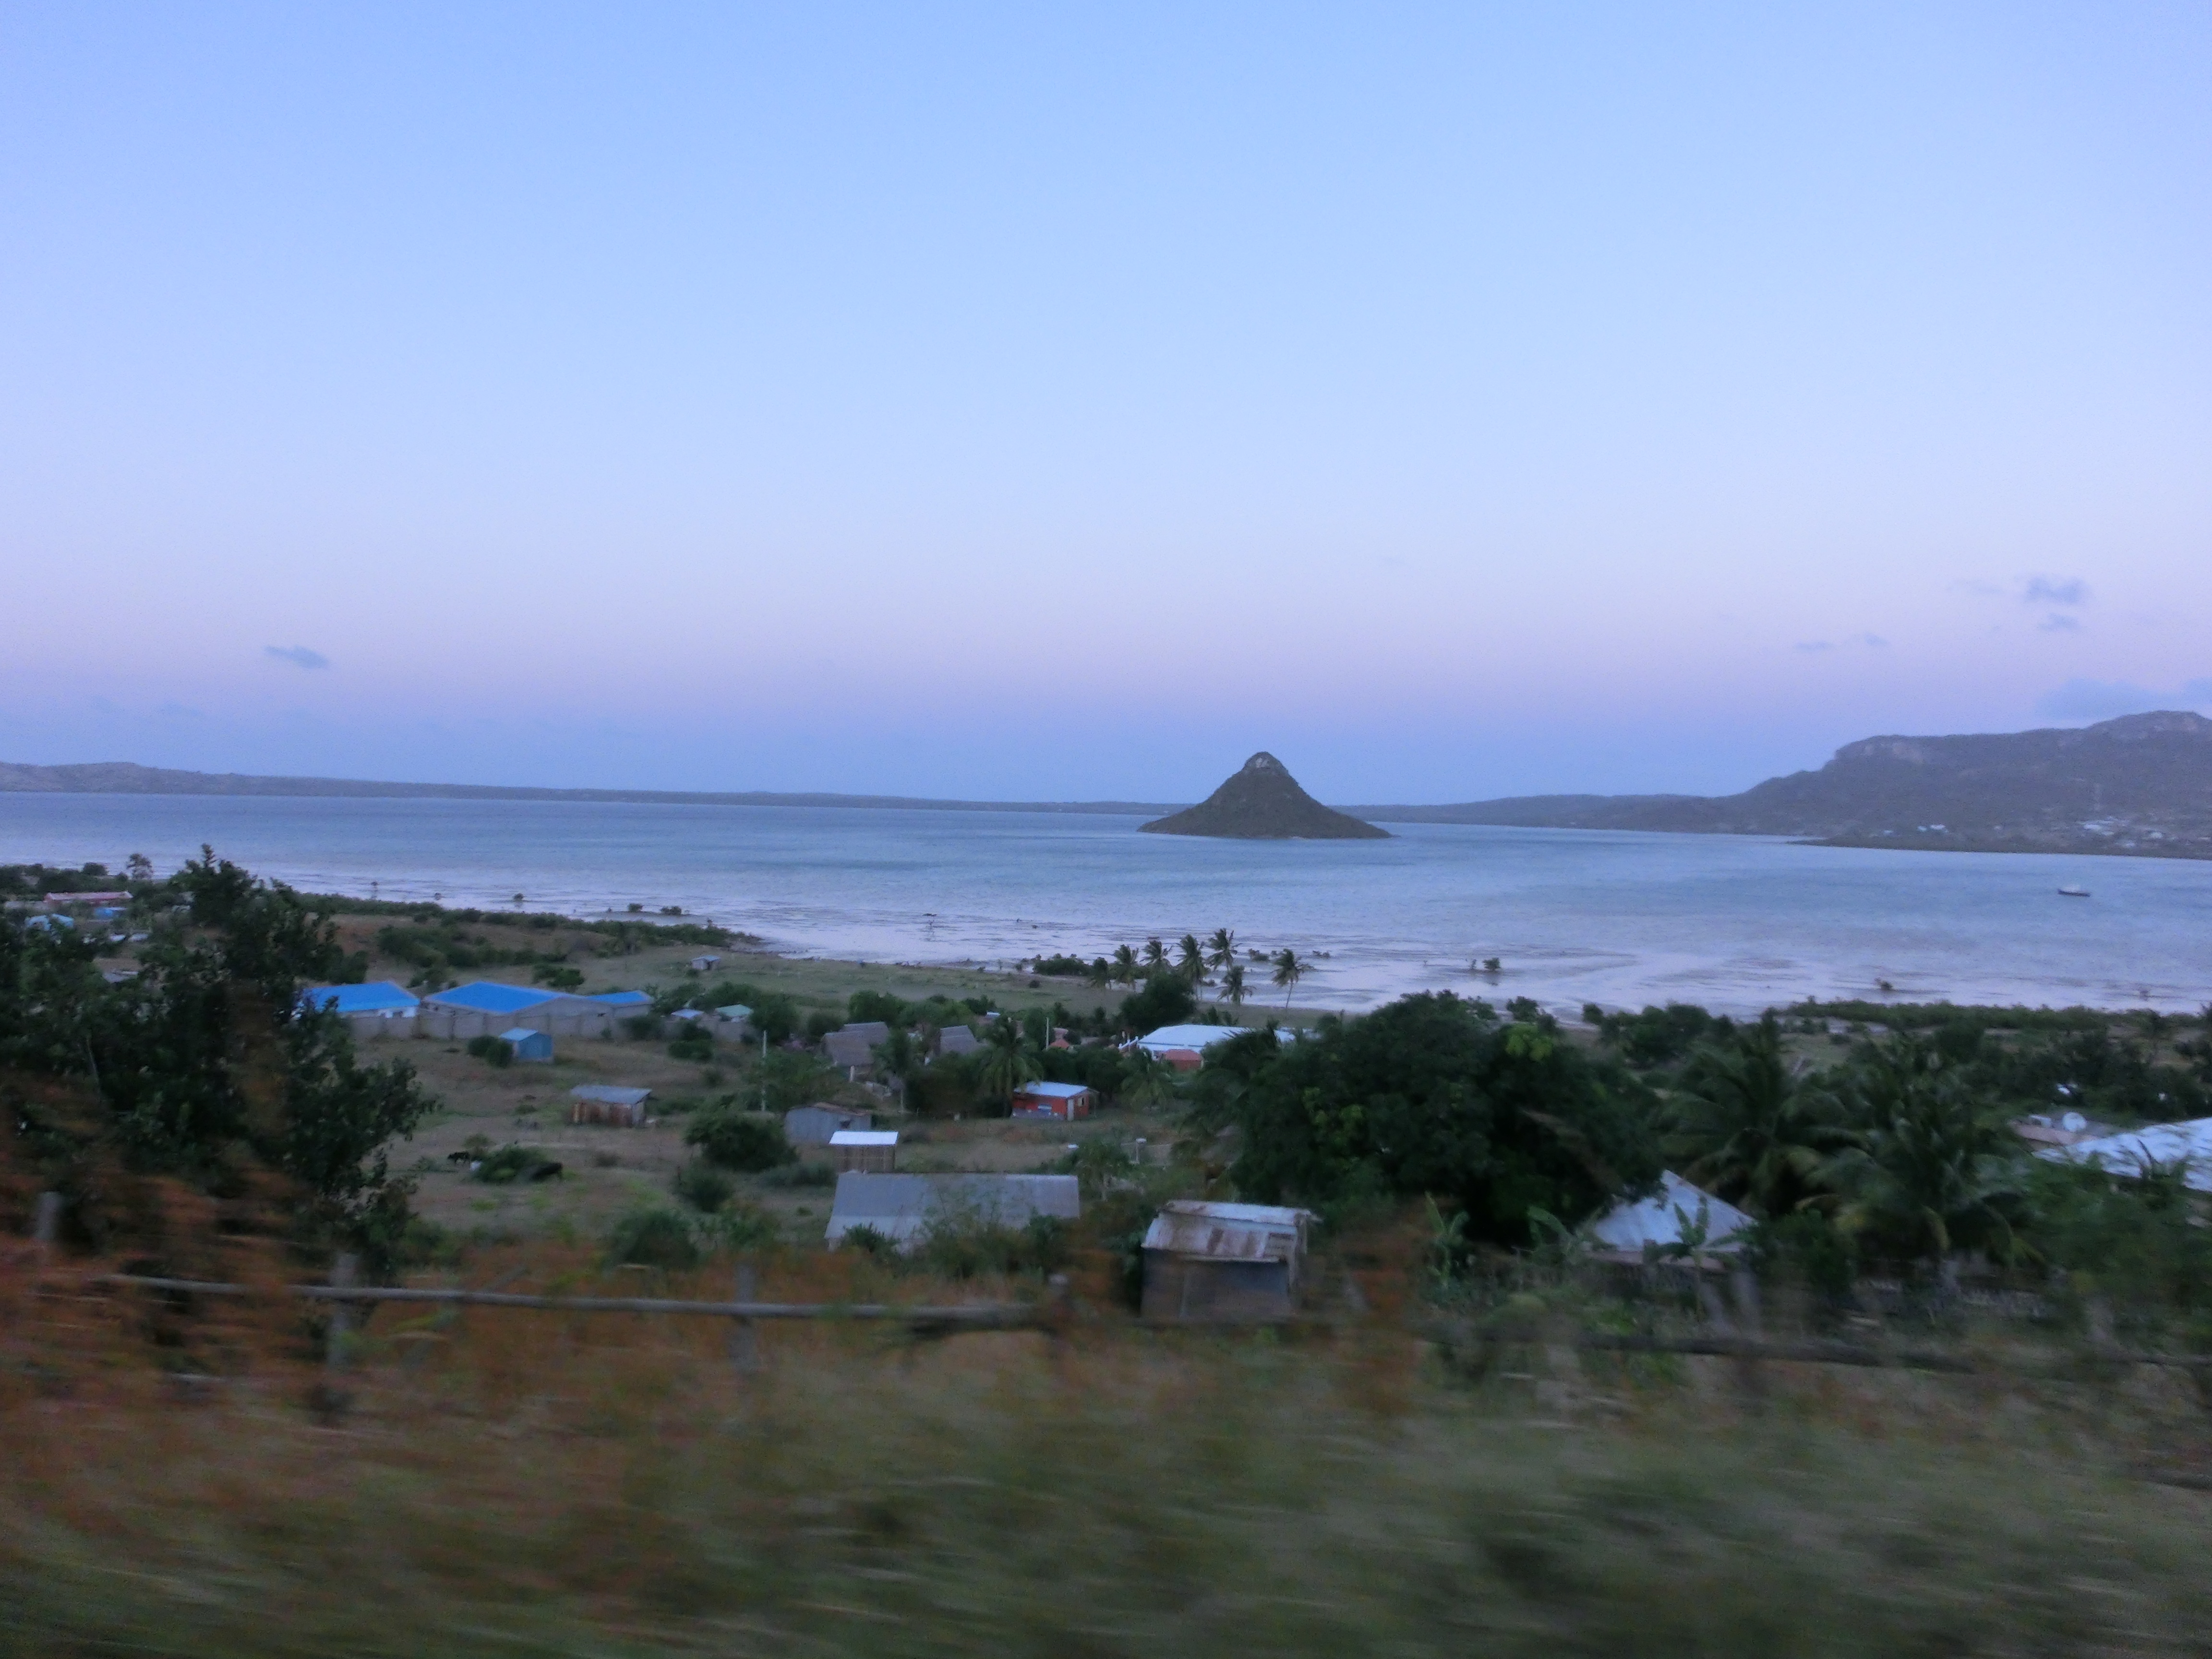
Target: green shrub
x: 512, y: 1164
x: 497, y: 1051
x: 747, y: 1141
x: 557, y: 977
x: 653, y: 1235
x: 800, y: 1177
x: 703, y: 1187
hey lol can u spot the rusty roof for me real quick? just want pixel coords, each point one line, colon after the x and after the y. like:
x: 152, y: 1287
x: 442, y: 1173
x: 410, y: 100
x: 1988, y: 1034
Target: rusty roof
x: 1228, y: 1232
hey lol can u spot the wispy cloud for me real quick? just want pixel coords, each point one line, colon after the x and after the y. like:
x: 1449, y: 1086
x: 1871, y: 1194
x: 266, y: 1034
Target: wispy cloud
x: 299, y: 656
x: 2105, y: 700
x: 2054, y: 590
x: 1871, y: 642
x: 2059, y: 622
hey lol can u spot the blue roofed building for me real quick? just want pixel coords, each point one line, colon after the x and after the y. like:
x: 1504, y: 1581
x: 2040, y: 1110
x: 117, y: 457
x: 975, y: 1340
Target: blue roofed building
x: 485, y: 997
x: 377, y: 997
x: 623, y: 999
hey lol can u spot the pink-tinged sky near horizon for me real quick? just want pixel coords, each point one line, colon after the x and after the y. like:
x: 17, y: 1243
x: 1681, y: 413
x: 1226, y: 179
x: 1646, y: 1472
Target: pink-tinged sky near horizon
x: 1028, y: 401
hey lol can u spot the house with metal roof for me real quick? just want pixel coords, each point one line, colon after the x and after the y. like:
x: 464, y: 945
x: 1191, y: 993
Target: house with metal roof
x: 380, y: 996
x: 1185, y: 1046
x: 1665, y: 1221
x: 902, y: 1207
x: 1063, y: 1100
x: 1224, y: 1263
x: 626, y: 1001
x: 2133, y: 1153
x: 599, y: 1102
x: 485, y: 996
x: 852, y: 1048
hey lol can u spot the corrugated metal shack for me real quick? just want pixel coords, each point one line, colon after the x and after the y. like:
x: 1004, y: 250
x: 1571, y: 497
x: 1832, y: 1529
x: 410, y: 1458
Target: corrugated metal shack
x: 596, y: 1103
x: 529, y: 1045
x: 1224, y: 1263
x: 812, y: 1126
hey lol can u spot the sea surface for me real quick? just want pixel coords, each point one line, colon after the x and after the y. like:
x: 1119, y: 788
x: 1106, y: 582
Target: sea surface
x: 1575, y: 916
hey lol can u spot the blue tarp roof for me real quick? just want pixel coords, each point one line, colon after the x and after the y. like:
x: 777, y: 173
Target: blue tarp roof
x: 487, y: 998
x: 622, y: 999
x: 378, y: 997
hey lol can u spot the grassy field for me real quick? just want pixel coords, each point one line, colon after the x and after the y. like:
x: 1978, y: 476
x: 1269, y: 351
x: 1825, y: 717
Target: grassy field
x: 539, y: 1484
x: 604, y: 1169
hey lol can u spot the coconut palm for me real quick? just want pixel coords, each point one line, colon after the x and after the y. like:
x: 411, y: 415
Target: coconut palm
x: 1125, y: 966
x: 1008, y: 1060
x: 1934, y: 1167
x: 1221, y: 948
x: 1190, y: 959
x: 1745, y: 1130
x: 1232, y: 984
x: 1155, y: 957
x: 1289, y: 970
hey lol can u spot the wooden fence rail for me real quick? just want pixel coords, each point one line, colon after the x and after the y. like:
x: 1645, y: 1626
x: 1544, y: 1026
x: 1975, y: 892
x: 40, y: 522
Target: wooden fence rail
x: 1724, y: 1345
x: 983, y: 1317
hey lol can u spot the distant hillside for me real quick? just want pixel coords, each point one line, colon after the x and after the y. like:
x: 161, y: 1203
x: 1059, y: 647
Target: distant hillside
x: 127, y: 778
x: 2142, y: 784
x: 2139, y: 784
x: 1262, y: 801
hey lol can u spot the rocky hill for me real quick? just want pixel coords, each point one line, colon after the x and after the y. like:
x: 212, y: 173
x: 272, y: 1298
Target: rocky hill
x: 2139, y: 784
x: 1262, y: 801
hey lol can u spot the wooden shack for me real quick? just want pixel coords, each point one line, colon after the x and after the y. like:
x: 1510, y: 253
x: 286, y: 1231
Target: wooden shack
x: 865, y: 1152
x: 1224, y: 1263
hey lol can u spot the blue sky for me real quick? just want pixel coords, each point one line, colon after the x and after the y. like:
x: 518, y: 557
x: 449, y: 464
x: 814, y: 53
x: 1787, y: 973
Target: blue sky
x: 1064, y: 402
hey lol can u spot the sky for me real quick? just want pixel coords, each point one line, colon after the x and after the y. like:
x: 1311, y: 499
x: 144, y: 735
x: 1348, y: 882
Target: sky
x: 1020, y: 402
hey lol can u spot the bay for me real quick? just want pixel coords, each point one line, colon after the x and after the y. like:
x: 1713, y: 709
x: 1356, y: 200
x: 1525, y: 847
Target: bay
x: 1620, y: 918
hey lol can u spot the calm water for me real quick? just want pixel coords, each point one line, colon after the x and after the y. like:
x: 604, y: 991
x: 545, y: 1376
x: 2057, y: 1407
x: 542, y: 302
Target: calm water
x: 1620, y: 918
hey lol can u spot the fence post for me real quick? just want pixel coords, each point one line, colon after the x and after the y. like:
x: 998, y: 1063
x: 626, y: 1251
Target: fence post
x: 341, y: 1326
x: 744, y: 1342
x: 46, y: 1223
x: 1743, y: 1289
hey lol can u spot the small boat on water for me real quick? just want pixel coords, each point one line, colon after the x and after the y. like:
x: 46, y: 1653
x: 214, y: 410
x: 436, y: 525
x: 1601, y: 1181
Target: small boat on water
x: 2072, y: 892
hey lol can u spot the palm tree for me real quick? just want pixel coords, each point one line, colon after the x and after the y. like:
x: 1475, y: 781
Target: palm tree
x: 1933, y: 1160
x: 1125, y: 966
x: 1190, y: 958
x: 1008, y: 1060
x: 1289, y: 970
x: 1233, y: 983
x: 1747, y: 1131
x: 1155, y: 956
x: 1221, y: 948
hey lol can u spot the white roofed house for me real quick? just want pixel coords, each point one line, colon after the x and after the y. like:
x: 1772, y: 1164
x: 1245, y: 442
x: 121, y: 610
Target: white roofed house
x: 1629, y: 1232
x: 1224, y: 1263
x: 2131, y: 1154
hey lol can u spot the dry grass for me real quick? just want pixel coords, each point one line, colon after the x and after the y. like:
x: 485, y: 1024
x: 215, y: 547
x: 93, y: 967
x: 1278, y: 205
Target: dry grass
x: 532, y: 1483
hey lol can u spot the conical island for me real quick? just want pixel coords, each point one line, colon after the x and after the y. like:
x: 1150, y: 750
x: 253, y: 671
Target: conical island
x: 1262, y: 801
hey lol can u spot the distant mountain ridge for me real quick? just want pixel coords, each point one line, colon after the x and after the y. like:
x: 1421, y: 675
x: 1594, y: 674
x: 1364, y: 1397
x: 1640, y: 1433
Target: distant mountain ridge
x: 2141, y: 784
x: 129, y: 778
x: 1262, y: 801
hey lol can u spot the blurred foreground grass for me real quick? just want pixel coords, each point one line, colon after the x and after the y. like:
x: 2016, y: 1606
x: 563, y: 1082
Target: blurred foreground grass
x: 522, y: 1485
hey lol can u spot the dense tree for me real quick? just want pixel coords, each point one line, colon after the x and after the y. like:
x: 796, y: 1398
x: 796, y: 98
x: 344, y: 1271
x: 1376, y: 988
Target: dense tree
x: 1430, y: 1095
x: 1935, y: 1166
x: 1744, y: 1129
x: 208, y: 1065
